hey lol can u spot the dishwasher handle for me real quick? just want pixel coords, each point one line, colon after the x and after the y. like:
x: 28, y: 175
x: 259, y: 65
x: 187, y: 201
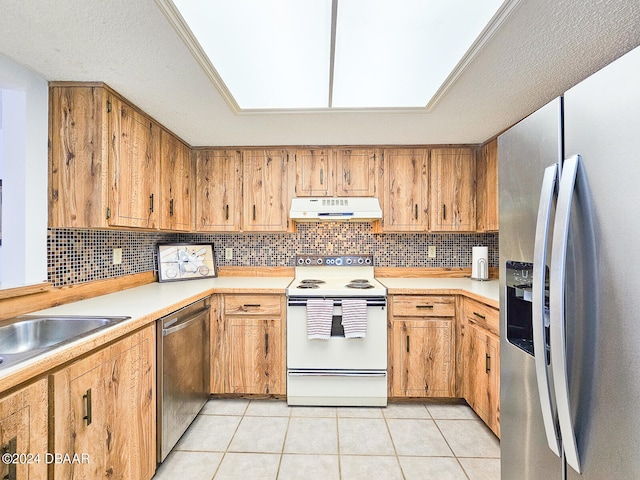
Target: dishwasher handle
x: 178, y: 324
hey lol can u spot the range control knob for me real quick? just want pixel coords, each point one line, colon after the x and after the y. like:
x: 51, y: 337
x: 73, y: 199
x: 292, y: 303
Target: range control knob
x: 319, y: 261
x: 339, y: 261
x: 367, y: 261
x: 360, y: 260
x: 307, y: 261
x: 349, y: 260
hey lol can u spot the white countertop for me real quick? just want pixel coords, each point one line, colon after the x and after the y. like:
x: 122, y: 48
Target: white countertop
x: 489, y: 289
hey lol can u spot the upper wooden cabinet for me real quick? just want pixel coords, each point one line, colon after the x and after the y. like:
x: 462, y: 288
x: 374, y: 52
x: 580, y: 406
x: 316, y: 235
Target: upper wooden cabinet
x: 265, y: 182
x: 355, y: 172
x: 78, y: 157
x: 314, y: 170
x: 134, y: 155
x: 453, y: 189
x: 487, y: 188
x: 342, y: 172
x: 175, y: 184
x: 404, y: 193
x: 104, y: 161
x: 218, y: 190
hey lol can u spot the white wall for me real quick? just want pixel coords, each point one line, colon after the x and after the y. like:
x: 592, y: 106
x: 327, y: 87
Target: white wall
x: 23, y: 166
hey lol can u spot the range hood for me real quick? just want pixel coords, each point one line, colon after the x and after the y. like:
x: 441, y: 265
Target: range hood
x: 358, y: 209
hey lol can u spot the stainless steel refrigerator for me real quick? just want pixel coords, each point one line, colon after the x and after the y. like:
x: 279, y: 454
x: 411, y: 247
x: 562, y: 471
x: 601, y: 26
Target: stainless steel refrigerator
x: 569, y: 201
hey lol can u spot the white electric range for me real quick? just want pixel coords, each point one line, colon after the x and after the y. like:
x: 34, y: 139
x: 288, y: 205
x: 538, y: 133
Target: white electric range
x: 337, y: 369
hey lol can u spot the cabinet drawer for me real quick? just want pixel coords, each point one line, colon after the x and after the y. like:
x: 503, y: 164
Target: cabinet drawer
x: 253, y: 305
x: 423, y: 306
x: 482, y: 315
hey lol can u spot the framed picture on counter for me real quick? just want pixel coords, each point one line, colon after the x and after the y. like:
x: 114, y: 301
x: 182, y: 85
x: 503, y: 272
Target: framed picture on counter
x: 185, y: 261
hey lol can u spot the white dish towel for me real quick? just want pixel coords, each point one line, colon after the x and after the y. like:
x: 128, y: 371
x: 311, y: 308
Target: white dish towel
x: 354, y: 317
x: 319, y: 318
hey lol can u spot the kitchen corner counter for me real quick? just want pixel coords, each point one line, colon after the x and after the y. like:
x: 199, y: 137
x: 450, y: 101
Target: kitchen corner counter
x: 144, y: 304
x: 486, y: 291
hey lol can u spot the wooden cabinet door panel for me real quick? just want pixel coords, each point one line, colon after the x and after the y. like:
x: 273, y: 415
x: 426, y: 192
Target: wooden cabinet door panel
x: 477, y: 365
x: 355, y: 172
x: 255, y: 358
x: 24, y: 430
x: 218, y: 190
x: 423, y: 358
x: 78, y: 161
x: 487, y: 189
x: 264, y: 190
x: 493, y: 350
x: 405, y: 184
x: 453, y: 185
x: 105, y: 407
x: 314, y: 172
x: 135, y: 153
x: 175, y: 187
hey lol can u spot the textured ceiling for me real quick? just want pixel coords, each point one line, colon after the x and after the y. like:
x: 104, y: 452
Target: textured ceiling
x: 541, y: 50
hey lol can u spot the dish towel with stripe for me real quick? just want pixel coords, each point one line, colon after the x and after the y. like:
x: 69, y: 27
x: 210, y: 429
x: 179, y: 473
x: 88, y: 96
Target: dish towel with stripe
x: 354, y: 317
x: 319, y: 318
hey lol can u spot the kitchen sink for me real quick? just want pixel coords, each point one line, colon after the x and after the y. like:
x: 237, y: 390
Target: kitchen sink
x: 30, y: 335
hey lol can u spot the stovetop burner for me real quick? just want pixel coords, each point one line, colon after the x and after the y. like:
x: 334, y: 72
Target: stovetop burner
x: 311, y: 281
x: 361, y: 285
x: 308, y: 285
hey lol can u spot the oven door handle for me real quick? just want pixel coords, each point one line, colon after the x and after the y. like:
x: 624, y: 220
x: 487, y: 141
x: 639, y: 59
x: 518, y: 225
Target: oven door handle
x: 337, y: 373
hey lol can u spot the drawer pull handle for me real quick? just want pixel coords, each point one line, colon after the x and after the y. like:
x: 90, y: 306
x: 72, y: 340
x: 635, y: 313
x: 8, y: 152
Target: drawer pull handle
x: 479, y: 315
x: 87, y: 402
x: 251, y: 305
x: 425, y: 306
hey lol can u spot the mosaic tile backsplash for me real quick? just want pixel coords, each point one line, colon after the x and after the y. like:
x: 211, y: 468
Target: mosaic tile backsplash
x: 79, y: 255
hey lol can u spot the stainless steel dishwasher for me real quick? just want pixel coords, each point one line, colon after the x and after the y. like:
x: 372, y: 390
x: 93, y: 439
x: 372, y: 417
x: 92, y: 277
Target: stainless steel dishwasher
x: 182, y: 372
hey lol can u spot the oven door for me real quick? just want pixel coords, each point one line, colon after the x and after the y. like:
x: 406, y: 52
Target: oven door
x: 338, y: 352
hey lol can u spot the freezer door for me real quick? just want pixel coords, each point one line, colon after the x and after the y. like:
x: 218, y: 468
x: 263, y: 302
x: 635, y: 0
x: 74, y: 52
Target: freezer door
x: 602, y: 124
x: 524, y: 152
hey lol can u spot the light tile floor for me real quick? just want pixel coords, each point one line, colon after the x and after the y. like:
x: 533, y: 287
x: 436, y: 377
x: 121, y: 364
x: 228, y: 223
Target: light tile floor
x: 268, y: 440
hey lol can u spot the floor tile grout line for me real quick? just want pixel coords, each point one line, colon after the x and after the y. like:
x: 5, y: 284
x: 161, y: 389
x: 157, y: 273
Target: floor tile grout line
x: 393, y: 444
x: 452, y: 450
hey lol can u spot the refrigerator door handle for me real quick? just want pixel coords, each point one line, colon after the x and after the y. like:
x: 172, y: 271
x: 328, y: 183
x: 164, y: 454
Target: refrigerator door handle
x: 547, y: 404
x: 557, y: 309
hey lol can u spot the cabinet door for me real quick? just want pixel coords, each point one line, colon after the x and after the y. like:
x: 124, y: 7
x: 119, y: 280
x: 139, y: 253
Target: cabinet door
x: 218, y: 190
x: 134, y: 163
x: 105, y: 408
x: 355, y: 173
x: 487, y: 189
x: 175, y: 186
x: 255, y: 355
x: 477, y: 369
x: 405, y: 187
x: 453, y: 186
x: 493, y: 350
x: 423, y: 357
x: 78, y: 157
x: 313, y: 173
x: 265, y: 192
x: 24, y: 430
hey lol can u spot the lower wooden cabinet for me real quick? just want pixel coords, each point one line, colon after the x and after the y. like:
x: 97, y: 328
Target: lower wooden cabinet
x: 104, y: 408
x: 481, y: 354
x: 422, y: 346
x: 252, y: 333
x: 24, y: 432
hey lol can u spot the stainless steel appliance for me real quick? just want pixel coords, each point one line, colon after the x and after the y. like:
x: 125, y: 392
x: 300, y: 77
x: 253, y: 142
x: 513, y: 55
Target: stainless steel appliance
x: 182, y: 372
x: 570, y: 362
x: 336, y: 370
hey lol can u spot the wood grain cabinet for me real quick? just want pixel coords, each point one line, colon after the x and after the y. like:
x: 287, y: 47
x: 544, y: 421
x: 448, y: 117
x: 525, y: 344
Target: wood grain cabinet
x: 453, y: 189
x: 265, y: 191
x: 355, y: 172
x: 405, y: 187
x: 104, y: 406
x: 218, y: 190
x: 482, y: 362
x: 314, y: 173
x: 253, y: 330
x: 104, y: 160
x: 24, y: 430
x: 176, y: 176
x: 422, y: 346
x: 487, y: 188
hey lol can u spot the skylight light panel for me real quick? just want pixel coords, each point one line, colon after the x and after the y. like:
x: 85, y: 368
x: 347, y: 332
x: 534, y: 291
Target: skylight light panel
x: 271, y: 54
x: 398, y: 53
